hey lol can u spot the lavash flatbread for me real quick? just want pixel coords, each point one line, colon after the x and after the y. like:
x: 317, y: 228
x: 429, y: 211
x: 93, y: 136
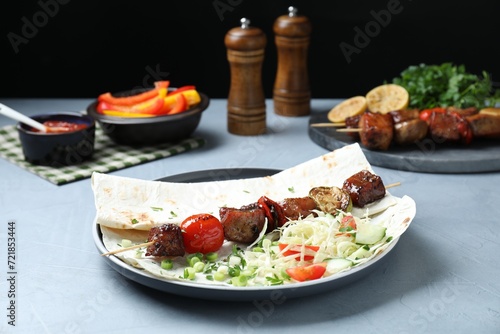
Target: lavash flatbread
x: 127, y: 208
x: 127, y: 203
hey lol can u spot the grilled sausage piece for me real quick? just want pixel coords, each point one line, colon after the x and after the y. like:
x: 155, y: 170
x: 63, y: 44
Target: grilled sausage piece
x: 242, y: 225
x: 376, y: 130
x: 364, y: 187
x: 167, y: 241
x: 410, y: 131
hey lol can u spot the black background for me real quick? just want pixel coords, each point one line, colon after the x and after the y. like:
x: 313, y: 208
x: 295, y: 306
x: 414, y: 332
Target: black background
x: 84, y: 48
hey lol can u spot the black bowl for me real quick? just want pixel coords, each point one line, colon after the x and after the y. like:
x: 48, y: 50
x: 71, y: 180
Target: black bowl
x: 58, y: 149
x: 139, y: 131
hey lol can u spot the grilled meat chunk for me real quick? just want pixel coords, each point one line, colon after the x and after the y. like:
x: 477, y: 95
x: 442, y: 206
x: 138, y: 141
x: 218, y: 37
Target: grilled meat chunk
x: 404, y: 115
x: 447, y: 127
x: 410, y: 131
x: 295, y: 208
x: 376, y: 130
x: 364, y: 187
x: 167, y: 241
x: 242, y: 225
x: 463, y: 112
x: 484, y: 125
x: 352, y: 122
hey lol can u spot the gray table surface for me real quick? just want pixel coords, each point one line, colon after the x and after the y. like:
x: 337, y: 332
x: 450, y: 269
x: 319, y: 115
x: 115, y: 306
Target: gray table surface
x: 443, y: 275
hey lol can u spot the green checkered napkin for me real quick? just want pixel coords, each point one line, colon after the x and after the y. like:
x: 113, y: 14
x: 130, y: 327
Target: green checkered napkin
x: 107, y: 156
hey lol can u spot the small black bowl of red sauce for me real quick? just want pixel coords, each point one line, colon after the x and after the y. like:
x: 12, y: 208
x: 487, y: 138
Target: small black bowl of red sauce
x: 69, y: 140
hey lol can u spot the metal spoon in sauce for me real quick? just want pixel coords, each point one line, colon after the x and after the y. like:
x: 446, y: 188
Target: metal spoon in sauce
x: 16, y: 115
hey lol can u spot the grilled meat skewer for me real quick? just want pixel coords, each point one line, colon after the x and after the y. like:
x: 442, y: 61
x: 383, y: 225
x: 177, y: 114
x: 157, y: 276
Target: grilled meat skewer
x: 246, y: 223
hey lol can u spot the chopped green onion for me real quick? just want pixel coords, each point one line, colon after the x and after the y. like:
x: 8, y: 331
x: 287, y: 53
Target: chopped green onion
x: 190, y: 258
x: 211, y: 257
x: 167, y: 264
x: 239, y: 281
x: 189, y: 273
x: 234, y: 271
x: 194, y: 260
x: 198, y: 266
x: 126, y: 243
x: 234, y: 260
x: 218, y: 276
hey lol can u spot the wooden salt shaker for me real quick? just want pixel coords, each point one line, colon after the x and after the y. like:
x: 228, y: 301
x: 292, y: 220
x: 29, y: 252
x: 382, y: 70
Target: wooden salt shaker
x: 246, y: 101
x: 291, y: 94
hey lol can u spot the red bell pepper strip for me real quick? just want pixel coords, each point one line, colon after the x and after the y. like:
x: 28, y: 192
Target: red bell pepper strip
x: 180, y: 105
x: 181, y: 89
x: 426, y: 113
x: 151, y: 107
x: 134, y: 99
x: 463, y: 128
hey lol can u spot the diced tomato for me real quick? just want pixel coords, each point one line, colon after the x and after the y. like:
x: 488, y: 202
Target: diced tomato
x: 308, y: 272
x: 202, y: 233
x: 348, y: 223
x: 297, y: 250
x: 134, y: 99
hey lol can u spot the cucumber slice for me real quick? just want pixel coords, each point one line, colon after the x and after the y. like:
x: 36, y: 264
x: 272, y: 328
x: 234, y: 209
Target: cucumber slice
x: 360, y: 253
x: 369, y: 234
x: 338, y: 264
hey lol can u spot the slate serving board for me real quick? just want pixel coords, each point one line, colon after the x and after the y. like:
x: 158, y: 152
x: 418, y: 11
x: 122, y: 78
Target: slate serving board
x: 427, y: 156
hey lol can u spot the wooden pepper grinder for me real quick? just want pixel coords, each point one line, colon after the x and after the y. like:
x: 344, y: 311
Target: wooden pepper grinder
x: 291, y: 94
x: 246, y: 101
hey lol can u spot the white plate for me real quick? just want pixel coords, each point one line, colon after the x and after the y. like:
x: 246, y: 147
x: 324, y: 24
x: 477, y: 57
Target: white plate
x: 229, y: 293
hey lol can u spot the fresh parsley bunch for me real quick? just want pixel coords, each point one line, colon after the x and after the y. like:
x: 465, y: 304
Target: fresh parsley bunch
x: 445, y: 85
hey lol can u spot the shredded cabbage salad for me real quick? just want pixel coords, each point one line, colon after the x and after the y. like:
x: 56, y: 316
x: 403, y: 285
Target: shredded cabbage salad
x: 321, y: 238
x: 268, y: 263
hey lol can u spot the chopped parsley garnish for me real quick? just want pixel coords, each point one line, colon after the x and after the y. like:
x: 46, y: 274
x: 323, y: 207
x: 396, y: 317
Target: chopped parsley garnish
x: 447, y: 85
x: 155, y: 208
x: 134, y: 221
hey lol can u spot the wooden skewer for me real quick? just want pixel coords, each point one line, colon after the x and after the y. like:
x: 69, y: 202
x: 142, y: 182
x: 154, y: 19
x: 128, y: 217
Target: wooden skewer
x: 146, y: 244
x: 326, y: 125
x: 395, y: 184
x: 349, y: 130
x: 128, y: 248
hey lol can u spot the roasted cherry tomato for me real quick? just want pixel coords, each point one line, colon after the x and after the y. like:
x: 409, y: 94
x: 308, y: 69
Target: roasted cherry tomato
x: 308, y: 272
x: 202, y: 233
x: 295, y: 250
